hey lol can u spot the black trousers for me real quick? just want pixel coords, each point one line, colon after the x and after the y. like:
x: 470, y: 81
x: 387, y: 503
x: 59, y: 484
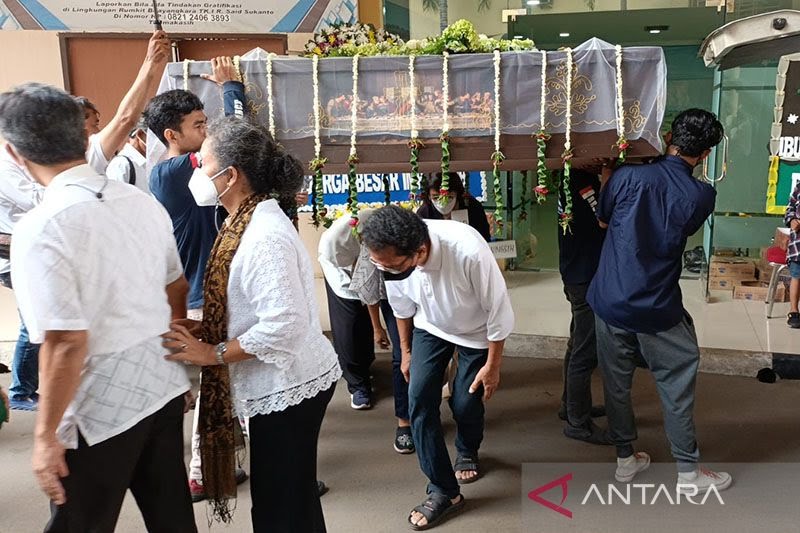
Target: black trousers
x: 148, y: 460
x: 283, y: 468
x: 580, y: 359
x: 353, y: 339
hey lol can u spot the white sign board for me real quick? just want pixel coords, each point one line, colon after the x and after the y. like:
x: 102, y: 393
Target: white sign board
x: 178, y: 16
x: 504, y: 249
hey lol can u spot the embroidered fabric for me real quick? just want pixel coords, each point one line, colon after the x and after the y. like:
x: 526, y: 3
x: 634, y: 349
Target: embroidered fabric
x: 282, y: 400
x: 273, y: 313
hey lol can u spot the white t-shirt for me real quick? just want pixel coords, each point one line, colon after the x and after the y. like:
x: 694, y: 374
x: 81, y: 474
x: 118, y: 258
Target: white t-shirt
x: 95, y: 155
x: 338, y: 251
x: 119, y: 169
x: 86, y: 264
x: 19, y: 193
x: 459, y: 294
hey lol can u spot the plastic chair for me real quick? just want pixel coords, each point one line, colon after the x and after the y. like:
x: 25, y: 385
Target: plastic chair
x: 776, y: 257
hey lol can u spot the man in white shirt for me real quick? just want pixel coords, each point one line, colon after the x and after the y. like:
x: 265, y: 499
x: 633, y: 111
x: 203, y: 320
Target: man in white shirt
x: 97, y: 296
x: 129, y: 165
x: 19, y: 193
x: 103, y: 144
x: 351, y: 325
x: 442, y: 280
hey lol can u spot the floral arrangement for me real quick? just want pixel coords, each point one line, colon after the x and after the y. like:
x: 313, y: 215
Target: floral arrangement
x: 186, y: 74
x: 445, y: 136
x: 523, y: 198
x: 622, y: 142
x: 497, y: 156
x: 415, y: 143
x: 318, y: 163
x: 566, y: 215
x: 348, y: 40
x: 542, y: 137
x: 237, y: 66
x: 352, y: 161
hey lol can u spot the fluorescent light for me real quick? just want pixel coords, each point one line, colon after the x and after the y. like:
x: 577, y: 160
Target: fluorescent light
x: 518, y: 37
x: 655, y: 31
x: 534, y: 2
x: 563, y: 34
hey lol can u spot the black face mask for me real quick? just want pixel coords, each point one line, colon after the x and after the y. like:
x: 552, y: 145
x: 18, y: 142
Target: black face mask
x: 388, y: 276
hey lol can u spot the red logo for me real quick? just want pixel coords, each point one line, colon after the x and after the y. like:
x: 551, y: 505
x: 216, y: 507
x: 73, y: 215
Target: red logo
x: 563, y: 483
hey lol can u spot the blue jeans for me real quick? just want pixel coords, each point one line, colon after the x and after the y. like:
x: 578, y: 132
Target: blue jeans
x: 429, y: 360
x: 25, y: 368
x: 398, y: 381
x: 673, y: 358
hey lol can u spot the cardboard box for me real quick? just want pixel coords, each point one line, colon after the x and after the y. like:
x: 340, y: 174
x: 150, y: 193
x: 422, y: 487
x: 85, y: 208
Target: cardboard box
x: 723, y: 283
x: 732, y: 267
x: 764, y: 273
x: 781, y: 238
x: 758, y: 291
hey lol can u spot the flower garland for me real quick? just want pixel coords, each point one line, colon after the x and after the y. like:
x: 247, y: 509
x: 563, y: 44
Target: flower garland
x: 318, y: 163
x: 541, y: 140
x: 523, y: 198
x: 237, y: 60
x: 497, y: 156
x: 352, y: 161
x: 186, y: 74
x: 566, y: 215
x: 415, y: 143
x: 444, y: 190
x: 271, y: 99
x: 622, y: 143
x: 387, y: 190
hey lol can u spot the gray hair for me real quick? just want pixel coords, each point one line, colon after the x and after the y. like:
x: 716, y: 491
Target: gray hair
x: 43, y: 123
x: 251, y: 149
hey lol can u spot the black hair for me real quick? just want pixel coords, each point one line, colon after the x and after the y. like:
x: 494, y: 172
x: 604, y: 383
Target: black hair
x: 86, y: 104
x: 395, y: 227
x: 694, y: 131
x: 166, y: 111
x: 456, y: 185
x: 250, y: 148
x: 43, y: 123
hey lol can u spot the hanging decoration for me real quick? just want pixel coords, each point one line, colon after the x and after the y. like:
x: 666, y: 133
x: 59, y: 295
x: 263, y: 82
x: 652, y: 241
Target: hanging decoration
x: 566, y: 215
x: 622, y: 142
x: 387, y: 190
x: 352, y: 161
x: 497, y: 156
x: 542, y: 137
x: 237, y: 66
x: 271, y: 98
x: 415, y: 143
x: 444, y: 138
x: 318, y: 163
x: 523, y: 198
x: 186, y: 74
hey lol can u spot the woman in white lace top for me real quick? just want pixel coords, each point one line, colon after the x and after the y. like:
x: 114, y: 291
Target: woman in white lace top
x: 261, y: 323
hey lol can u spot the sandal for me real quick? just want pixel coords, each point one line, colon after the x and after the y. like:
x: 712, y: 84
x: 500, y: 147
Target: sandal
x: 467, y: 463
x: 435, y: 509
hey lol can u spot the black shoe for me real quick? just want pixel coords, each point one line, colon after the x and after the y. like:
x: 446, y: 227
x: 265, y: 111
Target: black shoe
x: 598, y: 411
x: 403, y: 443
x: 322, y: 488
x: 794, y: 320
x: 592, y: 435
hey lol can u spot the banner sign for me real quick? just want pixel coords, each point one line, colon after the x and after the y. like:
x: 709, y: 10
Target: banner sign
x: 184, y: 16
x: 371, y: 188
x: 784, y: 170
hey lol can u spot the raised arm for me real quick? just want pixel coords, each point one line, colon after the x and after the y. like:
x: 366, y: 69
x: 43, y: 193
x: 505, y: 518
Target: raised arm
x: 115, y: 134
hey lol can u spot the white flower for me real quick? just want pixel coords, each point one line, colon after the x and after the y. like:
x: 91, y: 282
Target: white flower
x: 354, y: 107
x: 620, y: 104
x: 186, y: 74
x: 497, y: 100
x: 412, y: 96
x: 543, y: 101
x: 315, y: 80
x: 270, y: 97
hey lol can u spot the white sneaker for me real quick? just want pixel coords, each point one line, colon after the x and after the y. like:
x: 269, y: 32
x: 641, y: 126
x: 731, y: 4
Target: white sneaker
x: 630, y: 466
x: 699, y: 481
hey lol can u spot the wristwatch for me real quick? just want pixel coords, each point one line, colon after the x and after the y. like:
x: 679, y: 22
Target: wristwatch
x: 220, y: 350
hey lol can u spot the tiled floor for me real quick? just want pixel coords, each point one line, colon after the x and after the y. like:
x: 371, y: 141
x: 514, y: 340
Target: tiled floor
x: 541, y: 309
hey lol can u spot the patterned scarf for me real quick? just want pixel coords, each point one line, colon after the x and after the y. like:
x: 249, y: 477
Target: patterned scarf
x: 218, y: 426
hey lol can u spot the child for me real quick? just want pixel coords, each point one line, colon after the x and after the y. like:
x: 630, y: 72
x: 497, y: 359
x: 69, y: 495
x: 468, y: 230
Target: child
x: 792, y: 220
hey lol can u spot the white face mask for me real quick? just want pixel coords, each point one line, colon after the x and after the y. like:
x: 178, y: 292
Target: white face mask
x: 447, y: 208
x: 203, y: 189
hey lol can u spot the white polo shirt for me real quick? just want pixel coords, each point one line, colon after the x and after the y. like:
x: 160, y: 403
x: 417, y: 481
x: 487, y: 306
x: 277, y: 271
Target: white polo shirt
x: 459, y: 295
x: 19, y: 193
x: 81, y: 263
x: 95, y: 155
